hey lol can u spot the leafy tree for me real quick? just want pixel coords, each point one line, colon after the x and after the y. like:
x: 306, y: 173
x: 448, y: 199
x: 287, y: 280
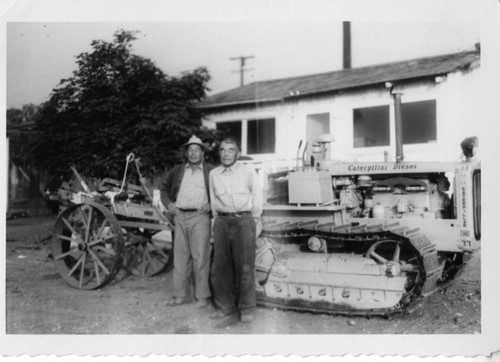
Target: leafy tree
x: 114, y: 104
x: 21, y: 137
x: 27, y: 114
x: 14, y: 116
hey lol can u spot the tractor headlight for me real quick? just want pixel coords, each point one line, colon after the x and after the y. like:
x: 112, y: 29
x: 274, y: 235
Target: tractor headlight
x: 469, y: 146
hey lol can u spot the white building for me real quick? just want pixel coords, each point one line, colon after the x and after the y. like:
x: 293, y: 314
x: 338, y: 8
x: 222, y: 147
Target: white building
x: 440, y: 107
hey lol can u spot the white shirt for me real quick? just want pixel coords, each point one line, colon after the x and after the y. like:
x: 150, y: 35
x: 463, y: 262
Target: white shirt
x: 234, y: 189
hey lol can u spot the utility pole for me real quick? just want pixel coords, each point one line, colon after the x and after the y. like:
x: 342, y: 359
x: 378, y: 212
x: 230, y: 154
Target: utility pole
x: 242, y: 66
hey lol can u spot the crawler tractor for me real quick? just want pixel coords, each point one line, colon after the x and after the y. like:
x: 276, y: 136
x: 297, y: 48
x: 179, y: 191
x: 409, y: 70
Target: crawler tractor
x: 367, y: 238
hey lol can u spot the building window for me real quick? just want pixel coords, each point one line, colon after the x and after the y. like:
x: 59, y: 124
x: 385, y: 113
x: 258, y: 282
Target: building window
x: 371, y: 127
x: 230, y: 129
x: 419, y: 122
x: 261, y: 136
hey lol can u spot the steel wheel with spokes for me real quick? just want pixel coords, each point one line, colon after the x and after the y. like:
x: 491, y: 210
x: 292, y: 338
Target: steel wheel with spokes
x: 146, y: 257
x: 87, y: 245
x: 400, y: 258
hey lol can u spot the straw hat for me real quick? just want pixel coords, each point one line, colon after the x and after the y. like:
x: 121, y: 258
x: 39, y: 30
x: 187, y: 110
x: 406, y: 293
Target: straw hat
x: 195, y: 141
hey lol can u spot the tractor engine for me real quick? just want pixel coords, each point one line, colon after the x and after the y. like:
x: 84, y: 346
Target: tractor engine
x: 394, y: 196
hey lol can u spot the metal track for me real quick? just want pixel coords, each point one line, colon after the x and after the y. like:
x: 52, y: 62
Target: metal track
x: 360, y: 237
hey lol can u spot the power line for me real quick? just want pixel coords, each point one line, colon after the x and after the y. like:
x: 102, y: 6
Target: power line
x: 242, y: 70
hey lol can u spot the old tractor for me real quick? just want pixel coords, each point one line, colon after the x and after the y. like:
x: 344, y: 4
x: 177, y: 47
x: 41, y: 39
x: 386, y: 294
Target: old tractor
x: 366, y: 238
x: 105, y: 225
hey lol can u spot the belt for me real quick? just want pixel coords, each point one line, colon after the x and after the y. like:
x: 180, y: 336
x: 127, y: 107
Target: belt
x: 188, y: 210
x: 235, y: 214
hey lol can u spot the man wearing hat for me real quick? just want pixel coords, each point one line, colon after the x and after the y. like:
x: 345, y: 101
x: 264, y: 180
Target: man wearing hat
x: 186, y: 195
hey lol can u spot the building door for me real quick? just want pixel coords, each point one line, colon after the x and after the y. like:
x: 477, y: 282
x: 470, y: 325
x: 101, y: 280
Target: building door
x: 316, y: 125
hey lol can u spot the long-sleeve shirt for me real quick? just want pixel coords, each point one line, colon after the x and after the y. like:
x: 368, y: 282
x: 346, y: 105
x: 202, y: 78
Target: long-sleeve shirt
x: 235, y: 189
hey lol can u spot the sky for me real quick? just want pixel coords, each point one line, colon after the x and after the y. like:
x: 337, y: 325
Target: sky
x: 40, y: 54
x: 285, y: 38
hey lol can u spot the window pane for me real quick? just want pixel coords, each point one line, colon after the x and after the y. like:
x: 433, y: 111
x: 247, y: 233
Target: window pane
x: 419, y: 122
x: 261, y: 136
x: 230, y: 129
x: 371, y: 127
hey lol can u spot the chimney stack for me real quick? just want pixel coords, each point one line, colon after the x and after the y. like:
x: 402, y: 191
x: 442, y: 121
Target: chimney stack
x: 347, y: 44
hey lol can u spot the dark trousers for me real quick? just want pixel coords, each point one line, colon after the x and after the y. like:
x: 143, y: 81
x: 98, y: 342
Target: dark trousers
x: 233, y: 267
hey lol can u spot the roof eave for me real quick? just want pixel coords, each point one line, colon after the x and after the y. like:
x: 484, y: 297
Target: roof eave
x: 366, y: 85
x: 312, y: 93
x: 241, y: 103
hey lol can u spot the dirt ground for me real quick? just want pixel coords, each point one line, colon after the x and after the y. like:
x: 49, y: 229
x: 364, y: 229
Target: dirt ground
x: 38, y: 301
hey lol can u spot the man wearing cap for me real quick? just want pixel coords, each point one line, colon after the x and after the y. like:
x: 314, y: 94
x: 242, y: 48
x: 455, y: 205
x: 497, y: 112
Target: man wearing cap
x: 237, y: 206
x: 185, y: 194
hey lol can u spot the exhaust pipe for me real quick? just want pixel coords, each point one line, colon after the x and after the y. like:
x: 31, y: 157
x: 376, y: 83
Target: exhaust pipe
x: 298, y: 155
x: 399, y: 124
